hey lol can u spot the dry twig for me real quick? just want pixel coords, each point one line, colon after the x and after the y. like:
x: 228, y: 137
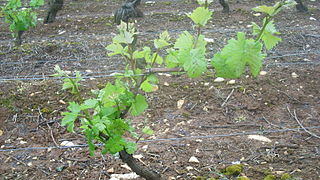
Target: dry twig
x: 225, y: 101
x: 51, y: 133
x: 294, y: 115
x: 27, y: 164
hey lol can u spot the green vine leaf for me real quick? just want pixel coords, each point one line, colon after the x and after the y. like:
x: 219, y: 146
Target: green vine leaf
x: 150, y: 84
x: 90, y: 137
x: 124, y: 37
x: 36, y: 3
x: 165, y: 36
x: 89, y: 103
x: 265, y: 9
x: 172, y: 58
x: 147, y: 130
x: 114, y: 144
x: 20, y: 19
x: 160, y: 43
x: 184, y: 41
x: 115, y: 48
x: 195, y: 63
x: 68, y: 120
x: 157, y: 58
x: 203, y: 2
x: 268, y: 35
x: 200, y: 16
x: 74, y: 107
x: 236, y: 55
x: 273, y: 10
x: 139, y: 105
x: 131, y: 147
x: 116, y: 126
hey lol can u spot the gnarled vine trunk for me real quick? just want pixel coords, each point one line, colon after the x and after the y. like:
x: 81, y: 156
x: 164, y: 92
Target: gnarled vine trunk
x: 135, y: 166
x: 18, y: 38
x: 300, y: 6
x: 54, y: 7
x: 138, y: 168
x: 225, y: 6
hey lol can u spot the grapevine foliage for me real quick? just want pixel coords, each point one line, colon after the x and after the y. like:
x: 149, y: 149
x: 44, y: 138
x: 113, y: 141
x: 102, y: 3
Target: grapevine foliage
x: 190, y: 54
x: 268, y: 36
x: 231, y: 62
x: 102, y: 116
x: 19, y: 17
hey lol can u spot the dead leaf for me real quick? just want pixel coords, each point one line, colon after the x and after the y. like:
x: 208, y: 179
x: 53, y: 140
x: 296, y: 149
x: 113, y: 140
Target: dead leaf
x: 138, y: 156
x: 126, y: 167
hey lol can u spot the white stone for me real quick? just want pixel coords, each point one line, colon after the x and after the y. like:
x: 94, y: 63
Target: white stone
x: 194, y: 160
x: 23, y: 142
x: 67, y: 143
x: 111, y: 170
x: 294, y: 75
x: 125, y: 176
x: 150, y: 2
x: 257, y: 14
x: 259, y: 138
x: 219, y: 79
x: 210, y: 40
x: 263, y: 73
x: 180, y: 103
x: 231, y: 82
x: 61, y: 32
x: 313, y: 19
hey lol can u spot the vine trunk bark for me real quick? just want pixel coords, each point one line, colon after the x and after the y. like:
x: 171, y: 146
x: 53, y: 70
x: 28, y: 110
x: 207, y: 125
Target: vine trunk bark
x: 225, y: 6
x: 138, y: 168
x: 300, y: 6
x: 18, y: 39
x: 54, y: 7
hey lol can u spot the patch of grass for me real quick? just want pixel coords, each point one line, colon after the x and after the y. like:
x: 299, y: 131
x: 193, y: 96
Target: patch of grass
x: 178, y: 18
x: 8, y: 101
x: 166, y: 3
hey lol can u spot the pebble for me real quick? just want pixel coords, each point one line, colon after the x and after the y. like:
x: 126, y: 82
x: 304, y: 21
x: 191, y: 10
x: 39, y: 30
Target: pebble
x: 294, y: 75
x: 67, y: 143
x: 259, y: 138
x: 257, y: 14
x: 231, y: 82
x: 263, y: 73
x: 313, y: 19
x: 219, y: 79
x: 194, y: 160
